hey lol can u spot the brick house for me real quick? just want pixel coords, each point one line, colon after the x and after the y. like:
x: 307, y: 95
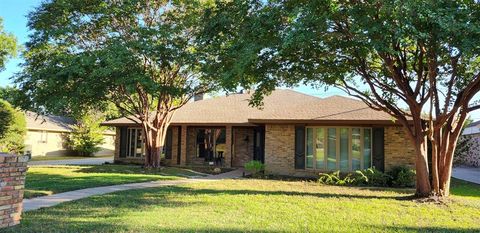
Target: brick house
x: 292, y: 134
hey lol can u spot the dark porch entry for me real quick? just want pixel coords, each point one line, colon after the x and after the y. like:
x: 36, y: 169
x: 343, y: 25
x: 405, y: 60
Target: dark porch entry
x: 211, y: 145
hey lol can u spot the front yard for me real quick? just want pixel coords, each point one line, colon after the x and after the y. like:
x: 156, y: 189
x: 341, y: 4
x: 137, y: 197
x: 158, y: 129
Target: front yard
x: 47, y: 180
x: 260, y: 206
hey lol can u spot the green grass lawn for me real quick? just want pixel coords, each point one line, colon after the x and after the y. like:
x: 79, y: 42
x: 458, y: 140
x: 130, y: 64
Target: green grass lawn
x: 260, y: 206
x: 48, y: 158
x: 46, y: 180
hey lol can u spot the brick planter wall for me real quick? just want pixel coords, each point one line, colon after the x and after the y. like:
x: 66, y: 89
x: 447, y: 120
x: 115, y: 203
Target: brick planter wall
x: 12, y: 180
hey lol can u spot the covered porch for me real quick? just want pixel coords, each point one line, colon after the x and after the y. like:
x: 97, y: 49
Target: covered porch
x: 196, y: 145
x: 217, y: 145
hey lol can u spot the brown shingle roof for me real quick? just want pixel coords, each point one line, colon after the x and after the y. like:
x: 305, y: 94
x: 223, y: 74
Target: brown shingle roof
x: 281, y: 105
x: 52, y: 123
x: 48, y: 122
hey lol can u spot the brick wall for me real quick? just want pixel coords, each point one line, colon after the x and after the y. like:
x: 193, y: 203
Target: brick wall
x: 173, y: 161
x: 243, y: 146
x: 12, y: 180
x: 280, y: 149
x: 183, y: 145
x: 398, y: 149
x: 191, y: 149
x: 228, y: 148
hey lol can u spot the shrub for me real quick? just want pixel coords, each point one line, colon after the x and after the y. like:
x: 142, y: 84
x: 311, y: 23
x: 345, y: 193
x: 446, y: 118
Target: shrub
x: 12, y: 129
x: 335, y: 178
x: 254, y: 167
x: 372, y: 177
x: 402, y: 176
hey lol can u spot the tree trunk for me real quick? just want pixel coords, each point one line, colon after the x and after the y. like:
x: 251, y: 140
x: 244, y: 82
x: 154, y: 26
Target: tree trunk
x: 423, y: 188
x: 445, y: 171
x: 446, y: 137
x: 154, y: 142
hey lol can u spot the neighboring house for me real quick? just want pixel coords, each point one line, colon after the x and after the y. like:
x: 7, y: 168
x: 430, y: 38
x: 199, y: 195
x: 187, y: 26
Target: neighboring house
x: 46, y: 136
x: 473, y: 129
x: 293, y: 134
x: 468, y: 146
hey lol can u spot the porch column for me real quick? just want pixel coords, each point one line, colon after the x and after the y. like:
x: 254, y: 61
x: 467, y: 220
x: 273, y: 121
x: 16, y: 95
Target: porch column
x: 228, y: 149
x: 175, y: 145
x: 183, y: 145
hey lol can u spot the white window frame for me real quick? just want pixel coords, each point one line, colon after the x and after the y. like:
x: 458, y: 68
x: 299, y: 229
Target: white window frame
x: 337, y: 144
x: 43, y: 136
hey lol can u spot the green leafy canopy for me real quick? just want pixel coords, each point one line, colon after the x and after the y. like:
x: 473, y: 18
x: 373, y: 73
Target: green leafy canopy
x: 88, y: 53
x: 12, y: 129
x: 8, y: 46
x: 87, y: 134
x: 266, y: 44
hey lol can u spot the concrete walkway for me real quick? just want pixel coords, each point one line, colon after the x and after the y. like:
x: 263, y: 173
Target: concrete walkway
x: 55, y: 199
x: 85, y: 161
x: 470, y: 174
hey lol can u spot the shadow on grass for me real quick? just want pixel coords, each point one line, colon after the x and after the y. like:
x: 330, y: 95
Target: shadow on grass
x: 38, y: 183
x: 136, y: 169
x: 289, y: 193
x: 425, y: 229
x: 99, y: 212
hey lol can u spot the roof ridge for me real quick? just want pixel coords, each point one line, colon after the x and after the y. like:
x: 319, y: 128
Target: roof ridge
x: 473, y: 124
x: 344, y: 97
x: 300, y: 93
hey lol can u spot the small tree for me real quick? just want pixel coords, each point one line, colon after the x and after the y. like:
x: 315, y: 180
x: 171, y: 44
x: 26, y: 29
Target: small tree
x: 12, y: 129
x: 87, y: 134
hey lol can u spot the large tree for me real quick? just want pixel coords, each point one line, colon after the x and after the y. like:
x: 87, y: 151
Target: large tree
x: 136, y: 54
x: 8, y: 46
x: 12, y: 95
x: 13, y: 128
x: 415, y: 60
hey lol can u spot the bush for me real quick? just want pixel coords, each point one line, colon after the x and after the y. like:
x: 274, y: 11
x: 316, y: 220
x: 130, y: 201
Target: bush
x: 255, y: 167
x: 12, y: 129
x: 335, y: 178
x: 402, y: 176
x: 372, y: 177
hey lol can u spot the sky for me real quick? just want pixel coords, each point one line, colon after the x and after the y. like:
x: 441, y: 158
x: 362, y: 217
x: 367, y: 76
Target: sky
x: 14, y: 14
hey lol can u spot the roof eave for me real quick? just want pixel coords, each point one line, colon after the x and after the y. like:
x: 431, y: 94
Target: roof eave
x: 132, y: 124
x: 326, y: 122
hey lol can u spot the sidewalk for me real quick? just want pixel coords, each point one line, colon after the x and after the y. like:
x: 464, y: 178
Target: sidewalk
x: 55, y: 199
x: 471, y: 174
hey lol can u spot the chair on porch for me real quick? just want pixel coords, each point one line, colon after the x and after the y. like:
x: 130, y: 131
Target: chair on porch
x: 219, y: 158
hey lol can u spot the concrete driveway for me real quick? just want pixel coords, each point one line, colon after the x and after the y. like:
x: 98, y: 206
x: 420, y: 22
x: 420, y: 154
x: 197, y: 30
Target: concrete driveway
x: 85, y: 161
x: 471, y: 174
